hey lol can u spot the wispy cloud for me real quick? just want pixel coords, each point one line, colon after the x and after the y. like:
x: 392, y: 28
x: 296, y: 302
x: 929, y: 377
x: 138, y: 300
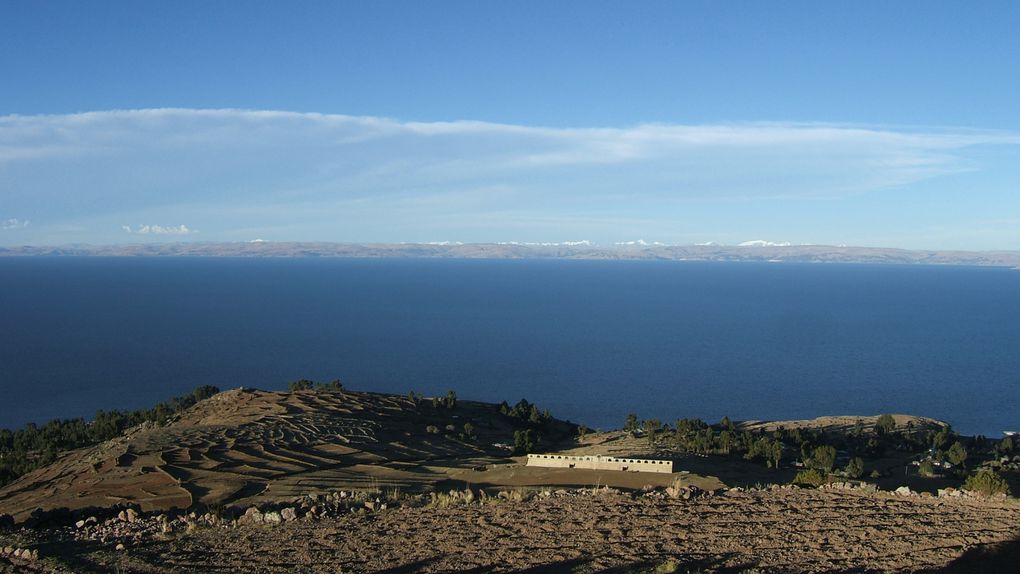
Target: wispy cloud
x: 290, y: 175
x: 13, y: 223
x: 159, y: 230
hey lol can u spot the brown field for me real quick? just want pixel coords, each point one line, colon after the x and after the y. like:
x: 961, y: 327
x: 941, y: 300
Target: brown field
x: 756, y: 531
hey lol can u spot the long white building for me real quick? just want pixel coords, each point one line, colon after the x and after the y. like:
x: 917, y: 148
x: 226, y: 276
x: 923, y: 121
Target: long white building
x: 599, y: 462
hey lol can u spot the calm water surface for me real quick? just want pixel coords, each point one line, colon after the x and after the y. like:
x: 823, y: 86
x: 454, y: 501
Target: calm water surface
x: 590, y: 340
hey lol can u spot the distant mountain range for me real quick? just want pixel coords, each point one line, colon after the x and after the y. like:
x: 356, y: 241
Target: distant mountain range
x: 751, y: 251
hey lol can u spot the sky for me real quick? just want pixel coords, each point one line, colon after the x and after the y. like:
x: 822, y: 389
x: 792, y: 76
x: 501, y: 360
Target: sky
x: 844, y: 123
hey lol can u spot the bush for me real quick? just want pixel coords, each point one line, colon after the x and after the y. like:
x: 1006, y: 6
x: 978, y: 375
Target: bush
x: 957, y: 454
x: 986, y: 482
x: 300, y: 385
x: 432, y: 429
x: 926, y: 469
x: 524, y: 441
x: 855, y: 468
x: 823, y: 459
x: 810, y: 477
x: 885, y: 424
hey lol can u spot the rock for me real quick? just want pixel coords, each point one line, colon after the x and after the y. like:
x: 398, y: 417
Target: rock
x: 272, y: 517
x: 120, y: 548
x: 253, y: 515
x: 80, y: 524
x: 131, y: 515
x: 904, y: 491
x: 288, y: 514
x: 8, y: 550
x: 369, y: 504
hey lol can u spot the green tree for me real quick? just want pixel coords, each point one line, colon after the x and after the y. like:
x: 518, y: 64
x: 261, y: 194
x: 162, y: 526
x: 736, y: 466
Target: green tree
x: 631, y: 424
x: 885, y: 424
x: 524, y: 441
x: 334, y: 385
x: 926, y: 469
x: 451, y: 400
x: 534, y: 415
x: 469, y: 429
x: 1007, y: 444
x: 941, y: 438
x: 855, y: 468
x: 301, y: 385
x: 823, y: 458
x: 775, y: 453
x: 651, y: 426
x: 957, y: 454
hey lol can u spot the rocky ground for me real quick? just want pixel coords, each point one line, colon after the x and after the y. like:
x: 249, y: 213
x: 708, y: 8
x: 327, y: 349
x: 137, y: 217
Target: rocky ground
x: 779, y: 529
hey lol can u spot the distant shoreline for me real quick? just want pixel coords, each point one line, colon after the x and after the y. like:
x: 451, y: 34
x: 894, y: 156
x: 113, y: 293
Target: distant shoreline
x: 575, y: 250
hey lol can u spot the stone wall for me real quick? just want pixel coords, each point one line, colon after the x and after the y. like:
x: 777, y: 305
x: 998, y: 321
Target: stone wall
x: 597, y: 462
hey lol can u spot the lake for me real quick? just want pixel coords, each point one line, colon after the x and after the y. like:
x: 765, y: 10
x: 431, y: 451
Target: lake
x: 590, y: 340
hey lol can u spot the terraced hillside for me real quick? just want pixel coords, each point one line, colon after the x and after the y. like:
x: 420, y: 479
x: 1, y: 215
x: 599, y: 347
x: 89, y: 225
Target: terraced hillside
x: 247, y: 445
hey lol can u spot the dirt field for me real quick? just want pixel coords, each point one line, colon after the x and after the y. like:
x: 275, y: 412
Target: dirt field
x: 757, y: 531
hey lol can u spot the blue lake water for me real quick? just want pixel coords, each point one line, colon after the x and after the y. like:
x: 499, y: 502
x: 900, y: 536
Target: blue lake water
x: 590, y: 340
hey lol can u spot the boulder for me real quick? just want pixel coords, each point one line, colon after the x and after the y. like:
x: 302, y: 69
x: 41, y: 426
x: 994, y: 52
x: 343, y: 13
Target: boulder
x: 904, y: 491
x: 288, y: 513
x: 253, y: 516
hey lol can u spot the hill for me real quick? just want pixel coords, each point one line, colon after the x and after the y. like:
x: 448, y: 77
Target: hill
x: 245, y: 445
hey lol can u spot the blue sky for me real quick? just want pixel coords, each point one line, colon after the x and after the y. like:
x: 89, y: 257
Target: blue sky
x: 866, y: 123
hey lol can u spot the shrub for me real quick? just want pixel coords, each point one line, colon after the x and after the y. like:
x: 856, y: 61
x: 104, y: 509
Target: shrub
x: 926, y: 468
x: 432, y: 429
x: 823, y: 458
x: 515, y: 495
x: 957, y: 454
x: 986, y: 482
x: 810, y: 477
x: 300, y: 385
x: 855, y: 468
x: 885, y: 424
x: 524, y: 441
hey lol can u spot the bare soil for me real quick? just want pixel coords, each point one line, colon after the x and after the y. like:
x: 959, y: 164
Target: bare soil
x: 775, y: 530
